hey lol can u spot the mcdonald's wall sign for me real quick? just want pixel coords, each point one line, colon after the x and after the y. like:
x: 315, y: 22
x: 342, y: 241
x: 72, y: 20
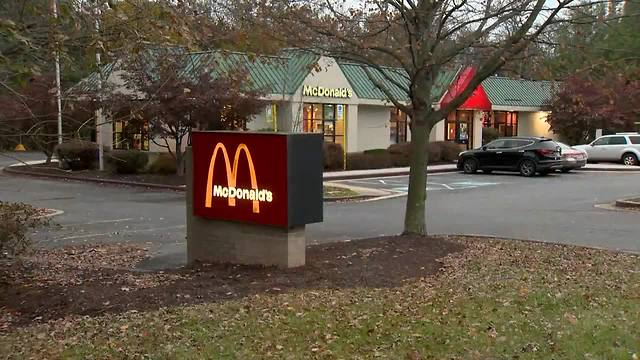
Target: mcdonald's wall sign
x: 256, y: 177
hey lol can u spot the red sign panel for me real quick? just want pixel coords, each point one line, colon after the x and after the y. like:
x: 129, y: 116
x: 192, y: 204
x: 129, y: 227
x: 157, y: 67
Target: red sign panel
x: 240, y: 177
x: 478, y: 100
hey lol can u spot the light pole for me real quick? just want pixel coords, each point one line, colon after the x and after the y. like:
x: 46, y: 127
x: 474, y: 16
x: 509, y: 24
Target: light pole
x: 54, y: 6
x: 98, y: 115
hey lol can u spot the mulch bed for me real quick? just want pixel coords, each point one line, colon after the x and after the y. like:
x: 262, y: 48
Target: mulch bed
x: 94, y: 280
x: 172, y: 180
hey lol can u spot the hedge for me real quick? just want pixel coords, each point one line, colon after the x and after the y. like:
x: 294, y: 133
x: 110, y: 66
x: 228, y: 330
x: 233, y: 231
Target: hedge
x: 127, y: 161
x: 77, y: 154
x: 333, y: 156
x: 164, y: 164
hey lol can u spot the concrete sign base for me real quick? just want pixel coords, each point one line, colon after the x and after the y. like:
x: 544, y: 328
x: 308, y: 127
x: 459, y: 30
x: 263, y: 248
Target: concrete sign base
x: 219, y: 241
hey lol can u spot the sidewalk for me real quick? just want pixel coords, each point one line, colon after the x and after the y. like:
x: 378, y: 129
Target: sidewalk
x: 356, y: 174
x: 609, y: 167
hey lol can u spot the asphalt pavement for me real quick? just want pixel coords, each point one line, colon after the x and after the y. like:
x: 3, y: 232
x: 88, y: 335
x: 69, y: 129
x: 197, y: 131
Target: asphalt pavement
x: 557, y: 208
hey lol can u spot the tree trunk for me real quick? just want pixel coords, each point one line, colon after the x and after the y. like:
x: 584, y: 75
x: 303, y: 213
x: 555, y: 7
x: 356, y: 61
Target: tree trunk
x: 49, y: 156
x: 179, y: 159
x: 415, y: 213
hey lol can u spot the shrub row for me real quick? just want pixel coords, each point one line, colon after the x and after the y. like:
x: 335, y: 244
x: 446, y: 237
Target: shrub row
x: 82, y: 155
x: 397, y: 155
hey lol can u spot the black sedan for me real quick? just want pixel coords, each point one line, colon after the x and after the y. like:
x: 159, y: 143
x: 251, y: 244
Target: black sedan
x: 527, y: 155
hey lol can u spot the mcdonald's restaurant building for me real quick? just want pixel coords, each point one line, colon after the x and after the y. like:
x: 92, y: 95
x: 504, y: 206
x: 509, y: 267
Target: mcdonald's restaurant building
x: 311, y: 93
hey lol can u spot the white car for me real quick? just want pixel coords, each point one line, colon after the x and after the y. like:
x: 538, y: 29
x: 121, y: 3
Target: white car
x: 621, y: 147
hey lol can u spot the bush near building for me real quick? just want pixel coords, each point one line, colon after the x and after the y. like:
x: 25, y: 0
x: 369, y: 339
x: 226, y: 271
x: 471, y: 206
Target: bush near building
x: 16, y: 220
x: 489, y: 134
x: 127, y: 161
x: 333, y: 156
x: 164, y: 164
x: 77, y: 155
x: 398, y: 155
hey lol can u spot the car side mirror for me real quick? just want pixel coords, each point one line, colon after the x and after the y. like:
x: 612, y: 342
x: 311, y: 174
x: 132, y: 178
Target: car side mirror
x: 591, y: 144
x: 484, y: 148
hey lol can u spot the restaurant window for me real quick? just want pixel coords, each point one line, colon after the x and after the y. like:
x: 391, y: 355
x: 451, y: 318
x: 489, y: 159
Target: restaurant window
x: 398, y: 126
x: 506, y: 122
x: 129, y: 135
x: 271, y: 116
x: 327, y: 119
x: 459, y: 125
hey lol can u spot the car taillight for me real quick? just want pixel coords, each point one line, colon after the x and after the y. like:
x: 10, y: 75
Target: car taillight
x: 546, y: 152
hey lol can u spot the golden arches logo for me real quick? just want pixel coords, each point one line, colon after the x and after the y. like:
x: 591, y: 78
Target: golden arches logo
x: 230, y: 192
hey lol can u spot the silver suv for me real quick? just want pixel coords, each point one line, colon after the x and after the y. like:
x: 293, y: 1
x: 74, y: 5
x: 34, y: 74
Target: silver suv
x: 624, y: 147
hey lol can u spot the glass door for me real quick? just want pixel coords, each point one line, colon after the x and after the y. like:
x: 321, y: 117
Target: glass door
x: 459, y: 127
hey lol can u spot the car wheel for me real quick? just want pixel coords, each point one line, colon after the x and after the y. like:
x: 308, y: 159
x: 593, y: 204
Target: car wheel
x: 629, y: 159
x: 470, y: 166
x: 487, y: 171
x: 527, y: 168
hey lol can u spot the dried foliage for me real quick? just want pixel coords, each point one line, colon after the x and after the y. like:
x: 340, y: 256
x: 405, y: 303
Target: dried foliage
x: 16, y: 221
x: 494, y: 299
x: 586, y: 103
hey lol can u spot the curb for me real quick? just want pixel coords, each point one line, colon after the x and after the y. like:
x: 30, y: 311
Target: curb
x: 629, y: 169
x: 628, y: 204
x: 347, y: 198
x: 383, y: 174
x: 12, y: 170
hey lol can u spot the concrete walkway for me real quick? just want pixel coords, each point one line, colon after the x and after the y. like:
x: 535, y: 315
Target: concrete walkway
x: 610, y: 167
x: 355, y: 174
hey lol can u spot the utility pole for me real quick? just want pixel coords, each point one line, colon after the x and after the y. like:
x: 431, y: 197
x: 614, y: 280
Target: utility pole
x: 54, y: 6
x: 98, y: 115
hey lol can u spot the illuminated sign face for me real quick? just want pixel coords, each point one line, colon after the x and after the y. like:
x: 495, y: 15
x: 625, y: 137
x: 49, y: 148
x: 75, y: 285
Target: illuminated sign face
x: 320, y: 91
x: 231, y: 192
x: 246, y: 177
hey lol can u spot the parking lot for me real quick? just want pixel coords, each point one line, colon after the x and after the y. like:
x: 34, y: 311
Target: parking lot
x: 557, y: 208
x: 436, y: 182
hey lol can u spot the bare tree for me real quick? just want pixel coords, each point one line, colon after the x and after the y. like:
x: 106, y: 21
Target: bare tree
x: 172, y: 100
x: 30, y: 114
x: 422, y: 38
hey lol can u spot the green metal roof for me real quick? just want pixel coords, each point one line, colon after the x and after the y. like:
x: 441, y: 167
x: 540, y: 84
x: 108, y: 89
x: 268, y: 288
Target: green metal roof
x: 271, y: 74
x: 357, y: 76
x: 503, y: 91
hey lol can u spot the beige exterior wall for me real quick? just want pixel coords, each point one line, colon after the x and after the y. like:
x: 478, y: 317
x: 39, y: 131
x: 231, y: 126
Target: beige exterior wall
x: 153, y: 147
x: 327, y: 75
x: 373, y: 127
x: 437, y: 132
x: 259, y: 121
x: 477, y: 130
x: 534, y: 124
x: 353, y: 124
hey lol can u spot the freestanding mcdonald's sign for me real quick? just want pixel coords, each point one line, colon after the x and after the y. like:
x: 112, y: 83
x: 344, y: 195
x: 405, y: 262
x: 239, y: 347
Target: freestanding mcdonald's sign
x: 270, y: 179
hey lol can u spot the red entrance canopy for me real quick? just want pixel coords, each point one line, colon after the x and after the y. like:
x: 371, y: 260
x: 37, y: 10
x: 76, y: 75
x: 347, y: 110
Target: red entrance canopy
x: 478, y: 99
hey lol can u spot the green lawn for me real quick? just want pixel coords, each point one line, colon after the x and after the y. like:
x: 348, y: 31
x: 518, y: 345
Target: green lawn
x: 338, y: 192
x: 494, y: 300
